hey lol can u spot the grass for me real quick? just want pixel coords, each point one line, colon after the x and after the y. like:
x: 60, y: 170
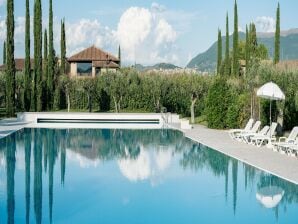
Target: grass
x: 2, y: 113
x: 110, y: 111
x: 200, y: 120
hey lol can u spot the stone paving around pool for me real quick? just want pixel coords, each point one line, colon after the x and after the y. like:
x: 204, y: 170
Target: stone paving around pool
x: 262, y: 158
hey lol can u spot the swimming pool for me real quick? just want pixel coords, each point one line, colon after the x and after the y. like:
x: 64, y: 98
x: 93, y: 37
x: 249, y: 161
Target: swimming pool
x: 133, y: 176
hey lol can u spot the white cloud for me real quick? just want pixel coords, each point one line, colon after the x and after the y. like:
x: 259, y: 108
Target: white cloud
x: 265, y: 24
x: 145, y: 37
x: 2, y: 30
x: 85, y: 33
x: 155, y: 7
x: 133, y: 28
x: 240, y: 29
x: 164, y: 33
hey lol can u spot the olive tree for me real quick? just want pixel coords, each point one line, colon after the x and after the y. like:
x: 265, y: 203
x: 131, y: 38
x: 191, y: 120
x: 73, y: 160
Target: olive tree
x: 66, y: 85
x: 196, y: 88
x: 118, y: 88
x: 88, y: 86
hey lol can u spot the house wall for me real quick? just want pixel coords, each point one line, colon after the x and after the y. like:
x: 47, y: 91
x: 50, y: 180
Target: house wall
x: 104, y: 70
x: 73, y: 69
x: 93, y: 71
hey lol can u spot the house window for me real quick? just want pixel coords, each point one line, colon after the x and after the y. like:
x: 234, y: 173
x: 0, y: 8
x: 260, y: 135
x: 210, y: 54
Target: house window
x: 98, y: 71
x: 84, y: 69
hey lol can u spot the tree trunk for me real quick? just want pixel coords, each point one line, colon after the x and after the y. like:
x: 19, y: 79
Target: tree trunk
x: 68, y: 102
x: 192, y: 110
x: 119, y: 107
x: 280, y: 117
x: 251, y: 105
x: 116, y: 104
x: 157, y: 105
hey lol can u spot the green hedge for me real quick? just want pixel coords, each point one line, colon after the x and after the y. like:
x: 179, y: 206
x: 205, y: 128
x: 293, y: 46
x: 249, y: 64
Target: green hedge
x: 225, y: 102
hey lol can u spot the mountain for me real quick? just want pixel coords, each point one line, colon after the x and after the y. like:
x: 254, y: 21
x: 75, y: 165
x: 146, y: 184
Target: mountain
x: 164, y: 66
x: 289, y: 49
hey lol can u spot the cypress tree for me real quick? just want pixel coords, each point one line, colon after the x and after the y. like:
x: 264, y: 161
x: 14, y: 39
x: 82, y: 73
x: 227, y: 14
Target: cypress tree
x: 45, y: 69
x: 235, y: 42
x: 227, y: 54
x: 253, y: 41
x: 4, y: 52
x: 10, y: 62
x: 277, y: 37
x: 119, y: 56
x: 247, y: 44
x: 27, y: 94
x: 45, y: 55
x: 63, y: 48
x: 37, y: 90
x: 219, y: 51
x: 51, y: 66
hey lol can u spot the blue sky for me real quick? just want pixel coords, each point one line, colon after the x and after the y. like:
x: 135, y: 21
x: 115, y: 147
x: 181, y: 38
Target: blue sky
x: 151, y: 31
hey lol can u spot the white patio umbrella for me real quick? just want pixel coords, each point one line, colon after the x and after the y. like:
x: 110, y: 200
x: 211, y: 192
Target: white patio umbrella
x: 271, y: 91
x: 270, y: 197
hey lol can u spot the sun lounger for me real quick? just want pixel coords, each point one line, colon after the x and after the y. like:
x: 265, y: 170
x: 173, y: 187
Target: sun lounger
x: 234, y: 132
x: 259, y: 140
x: 248, y: 136
x: 284, y: 142
x: 293, y: 150
x: 253, y: 130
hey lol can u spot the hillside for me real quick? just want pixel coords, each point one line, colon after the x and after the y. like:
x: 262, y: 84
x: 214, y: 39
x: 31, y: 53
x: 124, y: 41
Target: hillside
x: 159, y: 66
x: 289, y: 49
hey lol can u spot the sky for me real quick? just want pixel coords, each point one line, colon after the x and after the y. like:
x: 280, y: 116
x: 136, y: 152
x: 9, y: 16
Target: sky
x: 148, y: 32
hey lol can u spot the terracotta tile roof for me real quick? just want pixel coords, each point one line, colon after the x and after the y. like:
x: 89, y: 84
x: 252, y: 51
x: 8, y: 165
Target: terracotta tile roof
x: 105, y: 64
x: 20, y: 64
x: 92, y: 54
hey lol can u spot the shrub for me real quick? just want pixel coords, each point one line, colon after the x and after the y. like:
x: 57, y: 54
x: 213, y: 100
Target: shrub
x: 217, y: 103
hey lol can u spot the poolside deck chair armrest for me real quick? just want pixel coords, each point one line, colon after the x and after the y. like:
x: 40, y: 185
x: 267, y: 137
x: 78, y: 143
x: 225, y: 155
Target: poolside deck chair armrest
x: 282, y: 139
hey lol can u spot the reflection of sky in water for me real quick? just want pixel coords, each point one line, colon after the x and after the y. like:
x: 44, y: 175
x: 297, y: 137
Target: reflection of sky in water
x: 153, y: 176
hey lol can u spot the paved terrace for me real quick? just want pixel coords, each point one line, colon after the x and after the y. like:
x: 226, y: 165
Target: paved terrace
x: 262, y: 158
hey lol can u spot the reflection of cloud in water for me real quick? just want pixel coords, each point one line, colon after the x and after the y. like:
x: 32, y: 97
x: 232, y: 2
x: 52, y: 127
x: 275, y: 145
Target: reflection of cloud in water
x: 83, y: 161
x: 270, y: 197
x: 146, y: 165
x: 163, y: 159
x: 136, y: 169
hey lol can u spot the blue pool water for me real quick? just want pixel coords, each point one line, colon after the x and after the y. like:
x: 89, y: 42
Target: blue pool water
x: 133, y: 176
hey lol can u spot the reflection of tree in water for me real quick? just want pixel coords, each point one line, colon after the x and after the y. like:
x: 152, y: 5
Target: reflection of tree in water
x: 249, y: 175
x: 52, y: 155
x: 37, y: 151
x: 10, y: 171
x: 197, y: 157
x: 62, y: 146
x: 120, y: 144
x: 235, y: 182
x: 27, y: 142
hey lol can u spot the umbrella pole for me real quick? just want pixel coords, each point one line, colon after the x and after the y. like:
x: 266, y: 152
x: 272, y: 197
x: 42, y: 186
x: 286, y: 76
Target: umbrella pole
x: 270, y: 119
